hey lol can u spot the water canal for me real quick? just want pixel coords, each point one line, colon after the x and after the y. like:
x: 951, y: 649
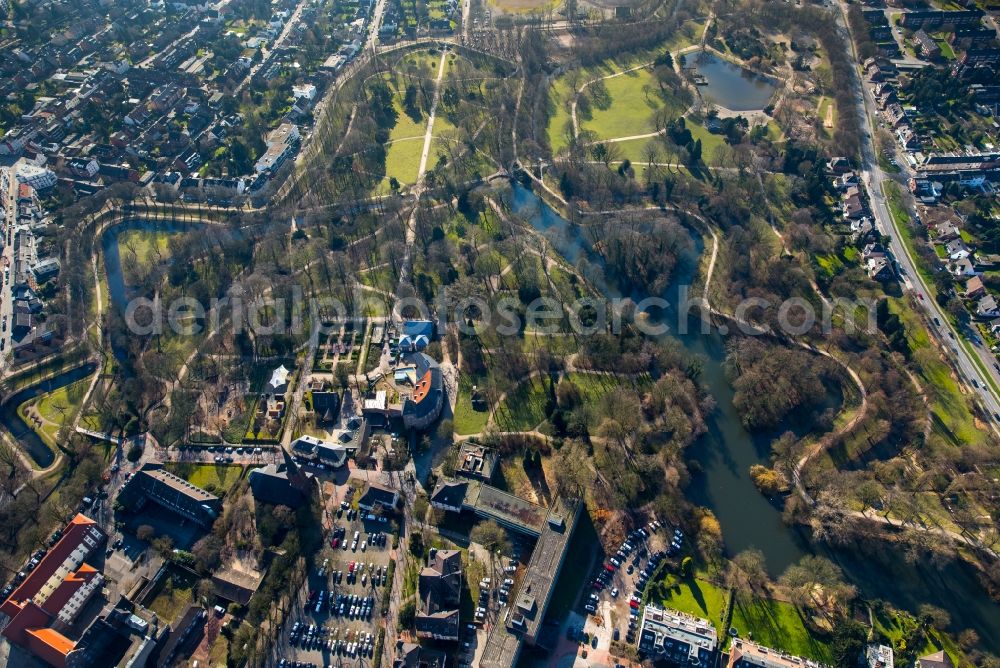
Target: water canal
x: 726, y: 453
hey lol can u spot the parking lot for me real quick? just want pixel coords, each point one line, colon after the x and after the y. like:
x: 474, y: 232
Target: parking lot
x: 616, y: 590
x: 339, y: 616
x: 500, y: 577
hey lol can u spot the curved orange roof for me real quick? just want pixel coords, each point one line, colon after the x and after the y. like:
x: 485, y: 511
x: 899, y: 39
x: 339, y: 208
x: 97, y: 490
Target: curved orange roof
x: 423, y: 387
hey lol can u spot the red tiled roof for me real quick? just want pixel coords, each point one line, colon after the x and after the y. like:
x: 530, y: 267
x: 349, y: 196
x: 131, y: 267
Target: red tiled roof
x: 423, y: 386
x: 54, y: 639
x: 71, y: 539
x: 55, y: 602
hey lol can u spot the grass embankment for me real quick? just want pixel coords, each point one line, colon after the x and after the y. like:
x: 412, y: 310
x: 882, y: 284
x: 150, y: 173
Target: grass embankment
x: 952, y: 417
x: 215, y: 478
x: 56, y: 409
x: 779, y: 625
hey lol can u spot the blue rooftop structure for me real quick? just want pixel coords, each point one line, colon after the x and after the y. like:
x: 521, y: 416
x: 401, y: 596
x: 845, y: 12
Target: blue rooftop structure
x: 416, y: 335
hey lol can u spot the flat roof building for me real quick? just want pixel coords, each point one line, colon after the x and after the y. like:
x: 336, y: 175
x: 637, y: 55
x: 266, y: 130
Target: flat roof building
x: 154, y: 483
x: 522, y: 622
x: 680, y: 639
x: 476, y: 461
x: 748, y: 654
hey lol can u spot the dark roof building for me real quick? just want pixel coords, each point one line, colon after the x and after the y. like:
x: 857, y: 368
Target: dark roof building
x: 281, y: 484
x: 412, y: 655
x: 440, y: 591
x: 325, y: 405
x: 182, y: 634
x: 154, y: 483
x: 423, y: 406
x: 416, y: 335
x: 941, y: 19
x: 449, y: 495
x: 376, y: 494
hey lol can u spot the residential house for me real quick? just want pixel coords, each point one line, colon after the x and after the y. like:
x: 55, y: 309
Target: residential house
x: 894, y: 115
x: 908, y: 139
x: 861, y: 228
x: 936, y: 660
x: 926, y: 45
x: 987, y: 307
x: 963, y: 267
x: 307, y: 91
x: 957, y: 250
x: 947, y: 231
x: 839, y: 165
x: 853, y: 206
x: 974, y: 288
x: 878, y: 268
x: 281, y: 143
x: 378, y: 495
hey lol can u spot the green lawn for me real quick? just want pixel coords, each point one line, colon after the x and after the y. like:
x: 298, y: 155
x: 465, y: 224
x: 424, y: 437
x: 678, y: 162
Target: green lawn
x: 777, y: 624
x: 593, y: 386
x: 560, y: 96
x: 149, y: 246
x: 634, y: 101
x: 709, y: 142
x: 402, y: 160
x: 174, y: 597
x: 466, y: 419
x: 523, y: 408
x: 57, y: 407
x: 952, y: 417
x: 693, y: 596
x: 215, y: 478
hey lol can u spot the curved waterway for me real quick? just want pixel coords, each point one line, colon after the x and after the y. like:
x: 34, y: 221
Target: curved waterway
x: 22, y: 433
x: 726, y: 453
x: 112, y: 253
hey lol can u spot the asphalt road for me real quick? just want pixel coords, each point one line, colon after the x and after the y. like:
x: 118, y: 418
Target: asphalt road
x: 873, y: 177
x: 6, y: 297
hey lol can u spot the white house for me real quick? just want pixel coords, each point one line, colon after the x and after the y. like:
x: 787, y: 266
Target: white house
x: 37, y: 177
x: 307, y: 91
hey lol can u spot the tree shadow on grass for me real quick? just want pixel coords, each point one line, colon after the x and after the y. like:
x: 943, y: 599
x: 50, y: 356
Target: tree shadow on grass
x: 697, y: 594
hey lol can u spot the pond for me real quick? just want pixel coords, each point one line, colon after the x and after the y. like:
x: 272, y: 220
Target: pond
x: 732, y: 86
x: 32, y: 443
x: 727, y: 451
